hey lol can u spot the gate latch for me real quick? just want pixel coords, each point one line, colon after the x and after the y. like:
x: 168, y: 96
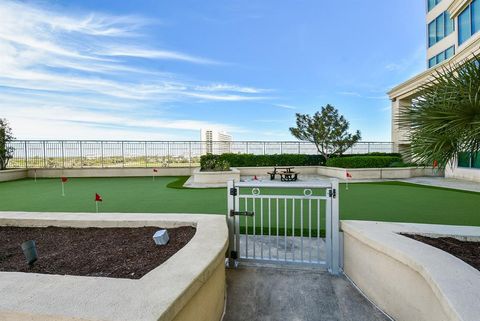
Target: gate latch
x: 244, y: 213
x: 332, y: 193
x: 233, y: 191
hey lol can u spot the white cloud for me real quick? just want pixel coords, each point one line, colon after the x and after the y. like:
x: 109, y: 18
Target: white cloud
x: 232, y: 88
x: 153, y: 54
x: 83, y: 119
x: 285, y: 106
x: 75, y: 68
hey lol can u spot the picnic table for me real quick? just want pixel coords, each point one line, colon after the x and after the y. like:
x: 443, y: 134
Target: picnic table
x: 286, y: 173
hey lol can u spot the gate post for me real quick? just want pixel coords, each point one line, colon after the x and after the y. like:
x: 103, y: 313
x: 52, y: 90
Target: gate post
x: 231, y: 204
x: 334, y: 267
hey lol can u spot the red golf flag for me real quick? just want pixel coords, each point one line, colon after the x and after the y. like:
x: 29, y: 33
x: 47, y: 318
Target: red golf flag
x: 64, y: 179
x: 155, y: 170
x: 98, y: 198
x: 349, y: 175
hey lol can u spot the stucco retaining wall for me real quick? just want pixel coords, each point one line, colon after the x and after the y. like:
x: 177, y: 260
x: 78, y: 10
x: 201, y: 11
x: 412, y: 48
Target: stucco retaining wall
x: 12, y: 174
x: 109, y: 172
x: 407, y: 279
x: 377, y: 173
x: 470, y: 174
x: 220, y: 177
x: 190, y: 286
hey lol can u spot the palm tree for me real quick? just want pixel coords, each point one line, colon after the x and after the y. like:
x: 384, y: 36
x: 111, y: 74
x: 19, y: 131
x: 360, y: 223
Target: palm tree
x: 444, y: 119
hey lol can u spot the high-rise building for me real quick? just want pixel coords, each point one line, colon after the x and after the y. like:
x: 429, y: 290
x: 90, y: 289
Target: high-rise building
x: 452, y: 36
x: 215, y: 142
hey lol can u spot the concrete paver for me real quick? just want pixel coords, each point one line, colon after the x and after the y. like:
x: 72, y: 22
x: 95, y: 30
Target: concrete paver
x: 259, y: 293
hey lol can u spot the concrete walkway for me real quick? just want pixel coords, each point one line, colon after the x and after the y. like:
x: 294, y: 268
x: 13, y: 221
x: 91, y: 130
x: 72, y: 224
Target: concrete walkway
x: 292, y: 294
x: 445, y: 182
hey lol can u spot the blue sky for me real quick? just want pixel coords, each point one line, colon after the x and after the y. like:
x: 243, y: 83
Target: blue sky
x: 164, y: 69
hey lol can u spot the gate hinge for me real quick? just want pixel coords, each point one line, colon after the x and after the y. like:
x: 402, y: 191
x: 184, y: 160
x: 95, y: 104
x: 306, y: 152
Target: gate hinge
x: 233, y: 191
x: 332, y: 192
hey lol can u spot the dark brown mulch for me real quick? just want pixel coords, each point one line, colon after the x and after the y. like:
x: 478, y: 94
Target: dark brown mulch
x: 469, y: 252
x: 108, y: 252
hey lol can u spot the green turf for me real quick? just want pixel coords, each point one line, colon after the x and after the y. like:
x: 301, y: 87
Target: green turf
x: 388, y: 201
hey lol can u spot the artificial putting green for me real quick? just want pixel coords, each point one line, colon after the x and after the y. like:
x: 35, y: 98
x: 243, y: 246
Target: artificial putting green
x: 382, y: 201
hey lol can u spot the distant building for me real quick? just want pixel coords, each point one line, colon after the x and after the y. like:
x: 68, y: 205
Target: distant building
x: 215, y: 142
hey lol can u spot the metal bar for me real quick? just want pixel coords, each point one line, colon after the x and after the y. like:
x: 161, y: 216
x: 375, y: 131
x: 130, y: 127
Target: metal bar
x: 261, y: 227
x: 44, y: 155
x: 145, y: 152
x: 63, y: 155
x: 269, y: 228
x: 189, y: 154
x: 101, y: 146
x: 254, y: 226
x: 81, y: 155
x: 310, y: 230
x: 230, y: 222
x: 123, y: 156
x: 285, y: 230
x: 26, y: 155
x: 246, y: 229
x: 284, y: 196
x: 293, y: 229
x: 301, y: 229
x: 318, y: 230
x: 328, y: 229
x: 319, y: 184
x: 335, y: 268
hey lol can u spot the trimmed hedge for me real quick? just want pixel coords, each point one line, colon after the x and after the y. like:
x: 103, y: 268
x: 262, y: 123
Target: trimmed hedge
x: 250, y: 160
x: 364, y: 161
x: 213, y: 163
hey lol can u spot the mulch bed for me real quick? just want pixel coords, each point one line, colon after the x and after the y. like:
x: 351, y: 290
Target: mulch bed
x: 107, y: 252
x: 469, y: 252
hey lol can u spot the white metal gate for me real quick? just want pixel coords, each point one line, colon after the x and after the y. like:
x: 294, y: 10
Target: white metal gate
x: 294, y: 222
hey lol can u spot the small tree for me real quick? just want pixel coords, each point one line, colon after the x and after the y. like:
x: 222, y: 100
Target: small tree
x: 6, y: 152
x: 327, y: 129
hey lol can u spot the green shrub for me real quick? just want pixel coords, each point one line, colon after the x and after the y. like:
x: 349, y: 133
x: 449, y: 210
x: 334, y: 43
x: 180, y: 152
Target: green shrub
x: 250, y: 160
x: 213, y: 163
x: 363, y: 161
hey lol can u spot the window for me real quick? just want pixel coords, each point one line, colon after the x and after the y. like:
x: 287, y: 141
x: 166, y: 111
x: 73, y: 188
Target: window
x: 449, y: 52
x: 440, y: 21
x: 469, y: 160
x: 432, y: 34
x: 439, y: 28
x: 469, y: 21
x: 475, y: 16
x: 432, y: 3
x: 441, y: 57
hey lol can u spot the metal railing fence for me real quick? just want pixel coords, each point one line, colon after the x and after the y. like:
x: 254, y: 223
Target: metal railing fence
x: 287, y: 223
x: 114, y: 154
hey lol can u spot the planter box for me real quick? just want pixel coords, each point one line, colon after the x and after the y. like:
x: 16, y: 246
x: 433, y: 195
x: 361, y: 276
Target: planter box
x: 215, y: 178
x: 418, y: 282
x: 189, y: 286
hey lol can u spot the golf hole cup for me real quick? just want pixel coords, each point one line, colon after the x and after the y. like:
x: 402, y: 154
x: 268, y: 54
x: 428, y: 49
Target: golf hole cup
x: 30, y: 251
